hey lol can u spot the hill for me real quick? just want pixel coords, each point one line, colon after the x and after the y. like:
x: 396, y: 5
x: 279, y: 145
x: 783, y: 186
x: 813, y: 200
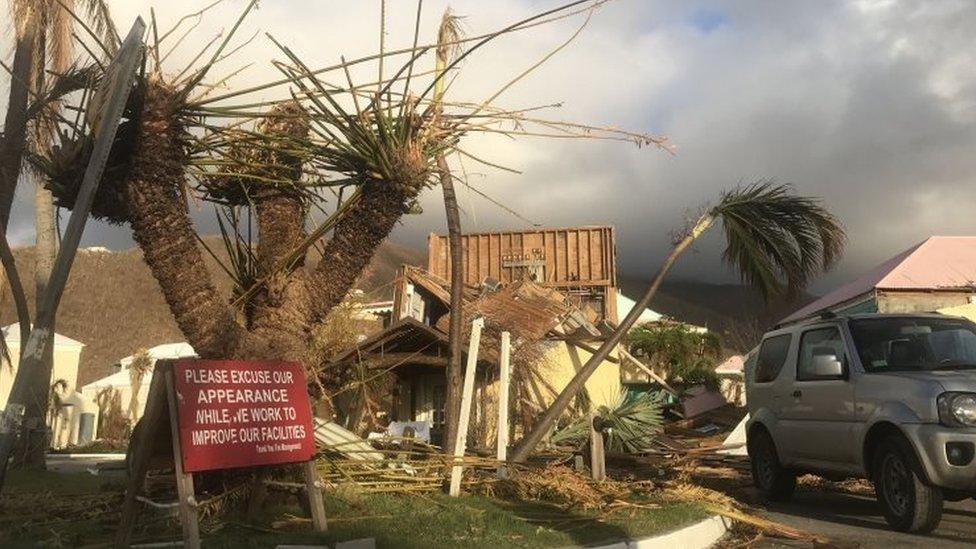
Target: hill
x: 735, y: 310
x: 114, y: 306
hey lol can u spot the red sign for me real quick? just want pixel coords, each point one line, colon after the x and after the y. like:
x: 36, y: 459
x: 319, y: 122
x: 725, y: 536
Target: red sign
x: 242, y: 413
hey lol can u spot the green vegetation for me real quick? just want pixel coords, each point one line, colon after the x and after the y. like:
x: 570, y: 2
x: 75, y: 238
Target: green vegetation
x: 685, y: 356
x: 630, y: 426
x: 436, y: 520
x: 394, y: 520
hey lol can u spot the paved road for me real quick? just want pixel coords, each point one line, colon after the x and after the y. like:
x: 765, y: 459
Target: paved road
x: 857, y: 521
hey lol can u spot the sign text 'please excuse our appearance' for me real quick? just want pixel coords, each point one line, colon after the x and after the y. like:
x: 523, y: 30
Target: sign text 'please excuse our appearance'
x: 242, y: 413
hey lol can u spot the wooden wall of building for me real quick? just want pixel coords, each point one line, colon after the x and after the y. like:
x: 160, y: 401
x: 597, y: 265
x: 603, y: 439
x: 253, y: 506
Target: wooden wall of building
x: 580, y: 261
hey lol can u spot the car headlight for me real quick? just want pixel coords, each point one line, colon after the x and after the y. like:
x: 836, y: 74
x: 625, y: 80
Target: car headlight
x: 957, y: 409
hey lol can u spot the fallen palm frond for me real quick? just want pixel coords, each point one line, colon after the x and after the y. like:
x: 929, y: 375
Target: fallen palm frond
x: 630, y: 426
x: 29, y: 510
x: 721, y: 504
x: 403, y: 472
x: 559, y: 485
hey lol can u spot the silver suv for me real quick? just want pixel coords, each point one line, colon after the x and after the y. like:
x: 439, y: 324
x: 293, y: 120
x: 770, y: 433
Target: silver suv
x: 890, y: 398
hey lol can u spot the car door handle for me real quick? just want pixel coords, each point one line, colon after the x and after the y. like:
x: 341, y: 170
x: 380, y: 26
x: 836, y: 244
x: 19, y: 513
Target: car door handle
x: 797, y: 393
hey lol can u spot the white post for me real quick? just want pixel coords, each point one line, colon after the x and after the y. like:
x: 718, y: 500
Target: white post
x: 465, y: 416
x: 504, y: 375
x: 597, y: 455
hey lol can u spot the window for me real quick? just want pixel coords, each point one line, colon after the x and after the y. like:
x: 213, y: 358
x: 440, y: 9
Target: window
x: 772, y: 356
x: 821, y: 350
x: 905, y: 344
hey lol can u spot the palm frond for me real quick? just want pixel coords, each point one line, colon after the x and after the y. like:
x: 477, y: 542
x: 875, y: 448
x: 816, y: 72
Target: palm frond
x: 102, y: 24
x: 777, y: 240
x: 630, y: 426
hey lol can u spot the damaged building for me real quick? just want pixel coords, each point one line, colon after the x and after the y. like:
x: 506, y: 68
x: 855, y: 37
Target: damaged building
x: 553, y: 290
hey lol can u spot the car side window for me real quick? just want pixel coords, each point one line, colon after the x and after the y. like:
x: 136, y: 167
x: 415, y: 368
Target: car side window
x: 823, y: 355
x: 772, y: 356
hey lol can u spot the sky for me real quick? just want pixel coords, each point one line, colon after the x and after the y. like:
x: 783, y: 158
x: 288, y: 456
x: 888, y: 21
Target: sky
x: 867, y: 104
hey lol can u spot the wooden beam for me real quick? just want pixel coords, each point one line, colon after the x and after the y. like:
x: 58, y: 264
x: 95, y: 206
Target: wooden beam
x: 630, y: 358
x: 598, y: 466
x: 648, y: 371
x: 184, y: 481
x: 140, y: 453
x: 388, y: 360
x: 315, y: 503
x: 466, y: 395
x: 505, y: 373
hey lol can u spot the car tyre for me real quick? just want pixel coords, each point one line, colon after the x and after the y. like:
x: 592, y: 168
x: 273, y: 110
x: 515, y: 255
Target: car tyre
x: 908, y: 502
x: 775, y: 482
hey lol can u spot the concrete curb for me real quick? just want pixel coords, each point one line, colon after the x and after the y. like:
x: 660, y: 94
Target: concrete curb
x: 63, y: 457
x: 700, y: 535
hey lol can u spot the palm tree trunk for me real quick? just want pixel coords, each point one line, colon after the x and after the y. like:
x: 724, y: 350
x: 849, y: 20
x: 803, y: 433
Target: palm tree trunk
x: 280, y: 313
x: 452, y: 406
x: 161, y: 226
x: 282, y: 316
x: 357, y: 236
x: 14, y: 137
x: 34, y: 445
x: 575, y: 385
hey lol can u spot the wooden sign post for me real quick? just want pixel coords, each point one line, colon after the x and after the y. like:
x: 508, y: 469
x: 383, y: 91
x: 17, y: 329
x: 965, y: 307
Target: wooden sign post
x: 207, y: 415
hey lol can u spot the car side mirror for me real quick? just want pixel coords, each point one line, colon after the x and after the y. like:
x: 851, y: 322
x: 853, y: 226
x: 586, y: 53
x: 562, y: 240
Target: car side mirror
x: 827, y: 366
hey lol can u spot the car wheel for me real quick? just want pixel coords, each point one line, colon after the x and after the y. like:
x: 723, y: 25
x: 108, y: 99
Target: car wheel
x: 774, y: 482
x: 909, y: 504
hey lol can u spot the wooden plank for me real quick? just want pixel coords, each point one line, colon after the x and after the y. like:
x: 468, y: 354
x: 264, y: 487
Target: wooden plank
x: 482, y: 254
x: 578, y: 274
x: 598, y: 457
x: 592, y: 256
x: 434, y: 253
x: 315, y: 502
x: 141, y: 450
x: 505, y: 374
x: 466, y: 395
x: 184, y: 481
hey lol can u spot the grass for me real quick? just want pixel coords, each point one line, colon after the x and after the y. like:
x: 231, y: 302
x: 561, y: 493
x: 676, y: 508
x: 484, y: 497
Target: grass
x: 20, y: 482
x: 407, y: 521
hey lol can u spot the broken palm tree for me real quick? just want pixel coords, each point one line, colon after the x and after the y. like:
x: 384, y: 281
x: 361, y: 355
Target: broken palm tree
x: 373, y: 145
x: 774, y: 238
x: 267, y: 166
x: 628, y: 427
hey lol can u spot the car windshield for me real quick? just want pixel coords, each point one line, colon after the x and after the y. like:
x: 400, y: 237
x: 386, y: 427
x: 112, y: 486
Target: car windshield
x: 905, y: 344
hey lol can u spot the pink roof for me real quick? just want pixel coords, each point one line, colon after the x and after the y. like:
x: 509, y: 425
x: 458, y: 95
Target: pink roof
x: 735, y: 364
x: 938, y: 263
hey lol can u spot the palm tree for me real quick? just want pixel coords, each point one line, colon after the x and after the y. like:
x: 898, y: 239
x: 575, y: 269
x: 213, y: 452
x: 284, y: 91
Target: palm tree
x: 774, y: 239
x: 385, y: 150
x: 142, y: 363
x: 26, y: 18
x: 448, y: 34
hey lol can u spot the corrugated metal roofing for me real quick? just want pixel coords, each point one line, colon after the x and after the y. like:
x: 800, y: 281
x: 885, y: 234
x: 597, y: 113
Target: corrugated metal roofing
x: 938, y: 263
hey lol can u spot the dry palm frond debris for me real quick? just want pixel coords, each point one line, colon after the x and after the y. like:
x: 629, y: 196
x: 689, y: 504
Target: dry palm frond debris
x: 721, y: 504
x: 24, y: 511
x: 560, y: 485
